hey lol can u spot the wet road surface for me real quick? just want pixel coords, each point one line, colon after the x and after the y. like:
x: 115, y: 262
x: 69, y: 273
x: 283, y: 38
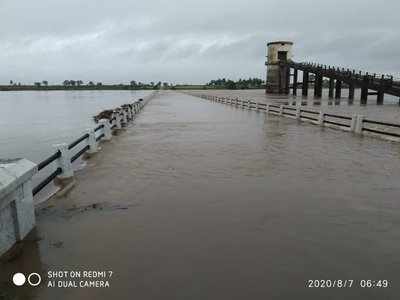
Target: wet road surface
x: 204, y: 201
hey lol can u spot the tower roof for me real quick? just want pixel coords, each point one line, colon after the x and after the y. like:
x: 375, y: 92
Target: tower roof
x: 280, y: 42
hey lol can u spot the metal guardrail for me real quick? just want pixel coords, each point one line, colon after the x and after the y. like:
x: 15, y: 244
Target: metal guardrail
x: 356, y: 123
x: 120, y: 116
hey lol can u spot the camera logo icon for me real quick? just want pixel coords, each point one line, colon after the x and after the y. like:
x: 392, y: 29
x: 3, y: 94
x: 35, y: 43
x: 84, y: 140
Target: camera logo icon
x: 19, y: 279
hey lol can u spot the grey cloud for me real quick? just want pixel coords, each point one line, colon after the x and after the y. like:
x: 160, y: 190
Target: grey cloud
x: 188, y: 41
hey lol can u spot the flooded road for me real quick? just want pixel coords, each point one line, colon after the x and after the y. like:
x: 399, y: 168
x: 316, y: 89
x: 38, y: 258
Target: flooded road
x: 205, y: 201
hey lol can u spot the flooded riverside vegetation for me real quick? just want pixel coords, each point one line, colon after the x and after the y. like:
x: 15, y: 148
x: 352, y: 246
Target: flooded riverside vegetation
x: 197, y: 200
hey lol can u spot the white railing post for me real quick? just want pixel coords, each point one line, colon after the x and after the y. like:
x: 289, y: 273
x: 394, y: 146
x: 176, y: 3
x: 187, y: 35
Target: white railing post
x: 267, y: 108
x: 248, y: 104
x: 124, y: 117
x: 321, y: 118
x: 359, y: 124
x: 106, y: 129
x: 353, y: 123
x: 298, y: 113
x: 64, y: 161
x: 257, y: 106
x: 129, y: 113
x: 17, y: 212
x: 93, y: 148
x: 118, y: 120
x: 281, y: 110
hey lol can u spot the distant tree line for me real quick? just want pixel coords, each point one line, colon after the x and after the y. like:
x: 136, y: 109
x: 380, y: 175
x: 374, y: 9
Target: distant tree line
x: 251, y: 83
x: 72, y: 84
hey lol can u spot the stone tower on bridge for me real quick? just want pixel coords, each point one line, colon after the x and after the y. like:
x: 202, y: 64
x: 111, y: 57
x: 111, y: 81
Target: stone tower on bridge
x: 278, y: 74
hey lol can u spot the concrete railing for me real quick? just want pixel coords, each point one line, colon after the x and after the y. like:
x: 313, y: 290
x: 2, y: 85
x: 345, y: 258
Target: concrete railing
x: 17, y: 215
x: 356, y: 123
x: 66, y: 154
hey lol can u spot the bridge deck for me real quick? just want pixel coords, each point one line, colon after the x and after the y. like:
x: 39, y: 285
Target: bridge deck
x: 205, y: 201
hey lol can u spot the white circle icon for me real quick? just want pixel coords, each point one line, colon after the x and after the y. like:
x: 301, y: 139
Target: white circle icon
x: 19, y: 279
x: 34, y: 279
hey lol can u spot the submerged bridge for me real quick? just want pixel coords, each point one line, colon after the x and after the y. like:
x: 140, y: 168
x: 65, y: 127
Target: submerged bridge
x: 192, y: 199
x: 281, y: 68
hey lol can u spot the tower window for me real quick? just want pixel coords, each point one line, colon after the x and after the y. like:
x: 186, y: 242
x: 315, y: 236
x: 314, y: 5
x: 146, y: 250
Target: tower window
x: 282, y: 55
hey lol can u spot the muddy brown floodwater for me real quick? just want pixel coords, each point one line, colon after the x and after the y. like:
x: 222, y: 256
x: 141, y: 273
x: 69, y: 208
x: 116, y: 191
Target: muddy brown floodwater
x: 204, y: 201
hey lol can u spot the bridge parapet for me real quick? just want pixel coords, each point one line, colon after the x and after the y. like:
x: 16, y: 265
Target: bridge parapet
x: 345, y: 73
x: 17, y: 217
x: 357, y: 124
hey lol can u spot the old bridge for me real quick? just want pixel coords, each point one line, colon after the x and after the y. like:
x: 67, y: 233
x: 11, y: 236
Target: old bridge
x: 281, y: 68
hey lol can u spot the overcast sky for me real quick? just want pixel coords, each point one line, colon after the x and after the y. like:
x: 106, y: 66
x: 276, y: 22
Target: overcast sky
x: 189, y: 41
